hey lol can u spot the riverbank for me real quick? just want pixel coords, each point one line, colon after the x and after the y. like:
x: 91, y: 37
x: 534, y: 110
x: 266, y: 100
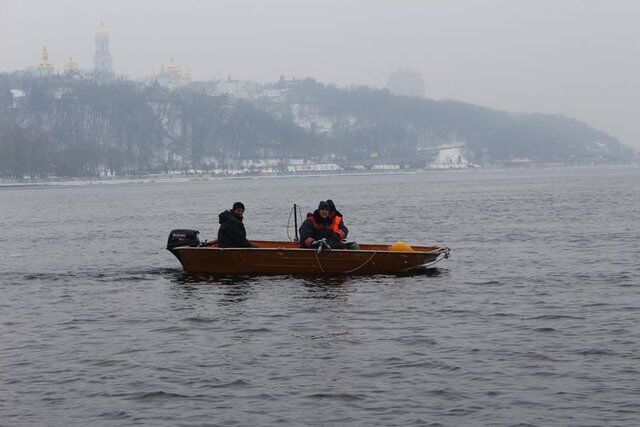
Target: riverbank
x: 188, y: 177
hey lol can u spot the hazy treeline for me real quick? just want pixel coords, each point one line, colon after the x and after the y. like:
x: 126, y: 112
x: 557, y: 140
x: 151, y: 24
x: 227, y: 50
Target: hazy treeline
x: 394, y: 126
x: 68, y: 126
x: 72, y: 127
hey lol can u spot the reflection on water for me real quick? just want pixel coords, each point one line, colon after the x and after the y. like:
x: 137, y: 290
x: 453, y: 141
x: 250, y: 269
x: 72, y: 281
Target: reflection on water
x: 425, y: 271
x: 210, y: 279
x: 328, y: 287
x: 236, y: 289
x: 236, y: 293
x: 326, y: 281
x: 310, y: 281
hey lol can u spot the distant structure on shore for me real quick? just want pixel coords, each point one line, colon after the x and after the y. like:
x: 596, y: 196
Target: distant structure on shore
x: 406, y: 82
x: 44, y: 66
x: 102, y: 56
x: 71, y: 66
x: 173, y: 76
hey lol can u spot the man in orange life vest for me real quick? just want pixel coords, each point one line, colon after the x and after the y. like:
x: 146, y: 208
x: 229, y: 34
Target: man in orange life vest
x: 324, y: 223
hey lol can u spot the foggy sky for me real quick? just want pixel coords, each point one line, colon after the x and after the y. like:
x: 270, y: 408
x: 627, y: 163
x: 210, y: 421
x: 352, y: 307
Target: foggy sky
x: 580, y: 58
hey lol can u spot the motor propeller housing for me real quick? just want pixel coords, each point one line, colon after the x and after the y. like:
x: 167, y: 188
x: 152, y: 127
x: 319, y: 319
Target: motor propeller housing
x: 183, y: 237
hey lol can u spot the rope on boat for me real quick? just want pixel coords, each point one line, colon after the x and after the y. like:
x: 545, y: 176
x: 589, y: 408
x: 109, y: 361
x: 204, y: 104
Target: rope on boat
x: 446, y: 255
x: 318, y: 259
x: 348, y: 271
x: 432, y: 263
x: 363, y: 264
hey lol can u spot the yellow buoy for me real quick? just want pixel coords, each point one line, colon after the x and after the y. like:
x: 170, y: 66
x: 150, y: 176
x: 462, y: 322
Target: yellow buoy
x: 401, y: 246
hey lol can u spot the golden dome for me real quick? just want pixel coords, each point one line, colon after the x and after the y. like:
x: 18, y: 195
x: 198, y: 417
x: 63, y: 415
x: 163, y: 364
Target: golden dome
x: 44, y: 64
x: 173, y: 67
x: 70, y: 65
x: 102, y: 31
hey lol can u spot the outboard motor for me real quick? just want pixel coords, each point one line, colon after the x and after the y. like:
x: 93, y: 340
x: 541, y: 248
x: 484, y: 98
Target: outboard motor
x: 182, y: 238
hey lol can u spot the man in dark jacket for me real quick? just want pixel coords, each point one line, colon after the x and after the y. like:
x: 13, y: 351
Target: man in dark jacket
x: 319, y: 226
x: 231, y: 233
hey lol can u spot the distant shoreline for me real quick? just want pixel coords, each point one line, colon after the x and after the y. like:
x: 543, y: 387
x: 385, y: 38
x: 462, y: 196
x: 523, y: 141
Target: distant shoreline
x: 155, y: 179
x: 149, y: 179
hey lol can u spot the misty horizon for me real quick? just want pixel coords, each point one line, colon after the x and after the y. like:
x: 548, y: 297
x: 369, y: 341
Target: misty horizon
x: 572, y: 58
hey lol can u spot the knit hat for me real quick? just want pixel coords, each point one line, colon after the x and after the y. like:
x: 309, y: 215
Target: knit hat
x: 332, y: 206
x: 323, y: 205
x: 238, y: 205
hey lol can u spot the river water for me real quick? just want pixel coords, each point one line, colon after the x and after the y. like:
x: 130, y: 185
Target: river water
x: 533, y: 320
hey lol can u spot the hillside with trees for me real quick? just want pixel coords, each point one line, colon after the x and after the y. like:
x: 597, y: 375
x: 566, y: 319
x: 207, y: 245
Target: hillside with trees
x: 374, y: 120
x: 72, y: 126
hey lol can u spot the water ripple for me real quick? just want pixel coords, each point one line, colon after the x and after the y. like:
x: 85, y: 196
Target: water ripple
x: 531, y: 322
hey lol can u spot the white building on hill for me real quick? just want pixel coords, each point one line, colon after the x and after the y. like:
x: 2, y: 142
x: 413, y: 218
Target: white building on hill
x: 455, y: 157
x: 406, y: 82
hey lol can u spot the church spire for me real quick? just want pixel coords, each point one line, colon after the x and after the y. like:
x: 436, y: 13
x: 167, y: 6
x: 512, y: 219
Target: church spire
x: 102, y: 56
x: 45, y: 67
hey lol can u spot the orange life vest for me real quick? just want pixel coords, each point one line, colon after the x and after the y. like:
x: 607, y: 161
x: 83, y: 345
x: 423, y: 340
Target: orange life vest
x: 335, y: 226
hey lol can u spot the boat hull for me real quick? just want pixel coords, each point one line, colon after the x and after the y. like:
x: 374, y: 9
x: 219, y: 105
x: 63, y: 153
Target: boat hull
x: 272, y: 258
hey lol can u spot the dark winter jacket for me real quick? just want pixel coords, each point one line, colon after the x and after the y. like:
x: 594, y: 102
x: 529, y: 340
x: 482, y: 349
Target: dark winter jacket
x: 316, y: 228
x: 232, y: 233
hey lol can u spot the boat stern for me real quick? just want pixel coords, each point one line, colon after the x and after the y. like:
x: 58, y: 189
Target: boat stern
x: 182, y: 237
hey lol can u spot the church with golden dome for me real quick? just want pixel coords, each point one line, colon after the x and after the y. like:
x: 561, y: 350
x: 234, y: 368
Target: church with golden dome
x: 102, y: 55
x: 44, y: 66
x: 71, y: 66
x: 101, y: 59
x: 173, y: 75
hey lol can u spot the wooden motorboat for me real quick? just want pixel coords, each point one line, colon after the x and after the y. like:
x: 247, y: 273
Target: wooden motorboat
x: 274, y: 257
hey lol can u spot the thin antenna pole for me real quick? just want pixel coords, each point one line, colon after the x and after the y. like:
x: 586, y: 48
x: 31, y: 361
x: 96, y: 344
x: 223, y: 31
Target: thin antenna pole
x: 295, y: 220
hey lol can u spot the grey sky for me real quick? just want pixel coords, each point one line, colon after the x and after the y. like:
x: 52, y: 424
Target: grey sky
x: 580, y: 58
